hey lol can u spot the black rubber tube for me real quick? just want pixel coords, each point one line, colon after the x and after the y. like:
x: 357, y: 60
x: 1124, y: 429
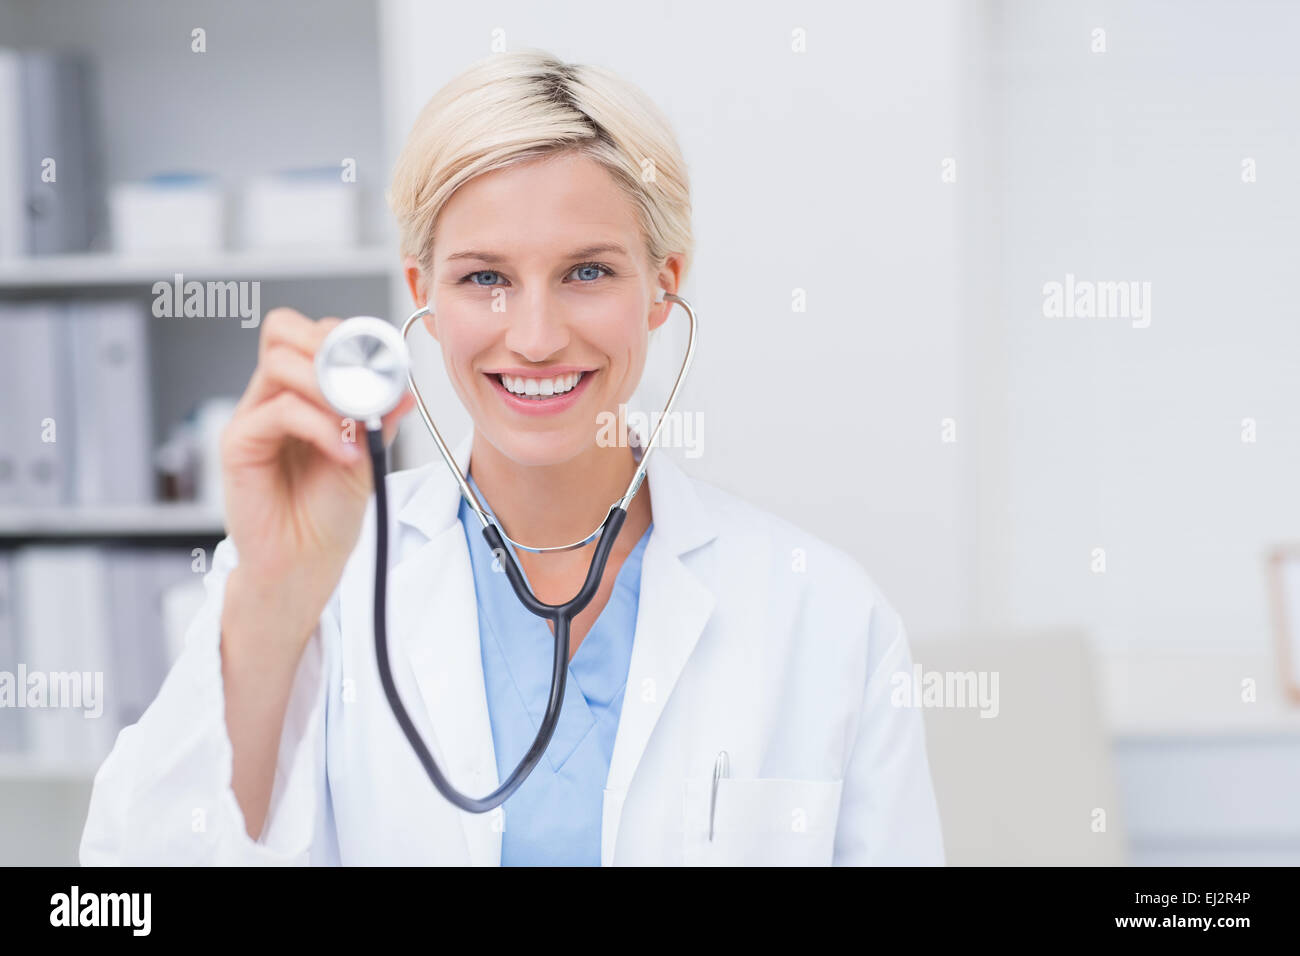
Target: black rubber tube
x: 560, y: 614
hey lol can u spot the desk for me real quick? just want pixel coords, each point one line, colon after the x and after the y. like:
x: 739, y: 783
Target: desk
x: 1205, y: 778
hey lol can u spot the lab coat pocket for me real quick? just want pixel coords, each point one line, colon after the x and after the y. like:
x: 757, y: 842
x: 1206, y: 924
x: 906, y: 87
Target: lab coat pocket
x: 767, y: 821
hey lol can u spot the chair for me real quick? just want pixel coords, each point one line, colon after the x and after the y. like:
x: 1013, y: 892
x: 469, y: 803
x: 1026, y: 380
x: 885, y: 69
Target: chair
x: 1024, y: 787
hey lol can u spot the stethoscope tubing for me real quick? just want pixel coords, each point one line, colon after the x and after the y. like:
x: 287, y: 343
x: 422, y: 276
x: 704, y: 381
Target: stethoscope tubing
x: 561, y: 615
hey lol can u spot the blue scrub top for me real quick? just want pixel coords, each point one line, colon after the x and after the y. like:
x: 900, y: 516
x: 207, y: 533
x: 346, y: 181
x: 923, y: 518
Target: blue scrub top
x: 554, y: 818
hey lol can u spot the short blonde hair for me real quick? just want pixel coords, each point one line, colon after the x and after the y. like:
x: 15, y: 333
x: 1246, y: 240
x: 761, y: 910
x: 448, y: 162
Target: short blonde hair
x: 517, y: 106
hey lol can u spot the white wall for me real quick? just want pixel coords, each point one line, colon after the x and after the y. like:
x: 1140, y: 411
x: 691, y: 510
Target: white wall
x: 1127, y: 166
x: 818, y: 171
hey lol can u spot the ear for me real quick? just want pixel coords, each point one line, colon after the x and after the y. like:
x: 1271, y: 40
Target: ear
x: 419, y: 290
x: 668, y: 279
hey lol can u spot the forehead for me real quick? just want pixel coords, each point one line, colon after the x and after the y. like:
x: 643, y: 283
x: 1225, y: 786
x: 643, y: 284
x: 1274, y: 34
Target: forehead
x: 543, y: 206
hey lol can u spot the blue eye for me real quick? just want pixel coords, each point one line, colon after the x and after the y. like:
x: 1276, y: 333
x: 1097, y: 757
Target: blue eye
x: 603, y: 269
x: 591, y: 271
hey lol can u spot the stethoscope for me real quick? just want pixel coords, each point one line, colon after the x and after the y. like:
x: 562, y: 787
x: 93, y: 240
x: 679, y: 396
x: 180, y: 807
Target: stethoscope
x: 360, y: 367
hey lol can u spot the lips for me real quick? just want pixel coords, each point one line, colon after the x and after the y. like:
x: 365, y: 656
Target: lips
x: 540, y: 404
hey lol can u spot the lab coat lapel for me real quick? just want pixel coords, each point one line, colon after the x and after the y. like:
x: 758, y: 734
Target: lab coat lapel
x: 434, y: 621
x: 434, y: 618
x: 675, y: 605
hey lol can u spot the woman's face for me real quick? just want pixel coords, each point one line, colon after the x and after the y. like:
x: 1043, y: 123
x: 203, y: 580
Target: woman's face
x: 542, y: 297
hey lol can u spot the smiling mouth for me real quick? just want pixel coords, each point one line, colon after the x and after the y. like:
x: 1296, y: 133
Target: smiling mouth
x: 539, y: 389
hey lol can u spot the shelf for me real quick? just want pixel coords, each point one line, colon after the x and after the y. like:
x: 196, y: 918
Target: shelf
x: 91, y: 270
x: 121, y: 521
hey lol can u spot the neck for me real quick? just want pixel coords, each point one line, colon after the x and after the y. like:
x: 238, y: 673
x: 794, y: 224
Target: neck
x: 546, y: 506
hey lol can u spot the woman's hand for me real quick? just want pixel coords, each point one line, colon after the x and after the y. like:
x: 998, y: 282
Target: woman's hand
x: 297, y: 477
x: 296, y: 481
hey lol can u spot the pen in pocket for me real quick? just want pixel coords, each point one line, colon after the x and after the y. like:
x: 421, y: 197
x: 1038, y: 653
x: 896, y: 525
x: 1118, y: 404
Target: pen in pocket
x: 721, y: 768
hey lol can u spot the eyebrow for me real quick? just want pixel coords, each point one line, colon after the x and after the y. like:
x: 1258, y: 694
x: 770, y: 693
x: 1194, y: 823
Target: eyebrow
x: 584, y: 253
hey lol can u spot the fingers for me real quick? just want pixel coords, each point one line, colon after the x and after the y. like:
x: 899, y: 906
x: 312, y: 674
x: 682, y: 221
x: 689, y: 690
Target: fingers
x: 285, y: 379
x: 292, y: 328
x: 288, y: 414
x: 284, y: 368
x: 285, y: 333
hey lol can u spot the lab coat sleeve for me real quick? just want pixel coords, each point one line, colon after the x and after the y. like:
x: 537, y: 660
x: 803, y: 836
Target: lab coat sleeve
x: 888, y: 813
x: 164, y: 795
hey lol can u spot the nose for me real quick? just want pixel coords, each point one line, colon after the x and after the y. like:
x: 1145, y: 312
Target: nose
x: 536, y: 326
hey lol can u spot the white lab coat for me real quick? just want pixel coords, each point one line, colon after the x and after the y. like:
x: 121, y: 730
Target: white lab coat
x: 752, y: 637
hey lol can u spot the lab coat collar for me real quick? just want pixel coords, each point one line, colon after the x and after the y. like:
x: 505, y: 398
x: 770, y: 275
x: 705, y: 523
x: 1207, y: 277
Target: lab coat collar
x: 433, y: 617
x: 681, y: 520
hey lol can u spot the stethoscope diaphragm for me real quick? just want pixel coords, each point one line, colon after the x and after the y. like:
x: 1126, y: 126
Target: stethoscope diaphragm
x: 362, y: 368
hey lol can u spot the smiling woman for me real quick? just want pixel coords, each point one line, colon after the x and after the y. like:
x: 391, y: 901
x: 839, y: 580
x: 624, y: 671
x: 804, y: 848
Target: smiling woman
x: 727, y: 698
x: 515, y: 289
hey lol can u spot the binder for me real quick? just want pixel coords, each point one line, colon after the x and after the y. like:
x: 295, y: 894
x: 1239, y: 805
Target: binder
x: 63, y: 215
x: 13, y: 216
x: 40, y: 408
x: 109, y: 387
x: 11, y: 360
x: 138, y: 580
x: 11, y: 735
x: 63, y: 615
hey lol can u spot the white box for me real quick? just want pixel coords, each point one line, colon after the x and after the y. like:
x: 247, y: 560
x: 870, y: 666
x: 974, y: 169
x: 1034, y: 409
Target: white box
x: 167, y: 214
x: 313, y: 209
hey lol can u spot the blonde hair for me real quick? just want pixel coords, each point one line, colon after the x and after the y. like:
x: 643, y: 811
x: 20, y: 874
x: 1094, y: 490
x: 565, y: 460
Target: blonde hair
x: 517, y: 106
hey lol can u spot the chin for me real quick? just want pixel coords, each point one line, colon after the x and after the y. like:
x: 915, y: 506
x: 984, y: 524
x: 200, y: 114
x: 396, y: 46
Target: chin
x: 540, y: 446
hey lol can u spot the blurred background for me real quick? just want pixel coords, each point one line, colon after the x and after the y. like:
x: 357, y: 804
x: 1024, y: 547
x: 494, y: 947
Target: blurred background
x: 1022, y: 270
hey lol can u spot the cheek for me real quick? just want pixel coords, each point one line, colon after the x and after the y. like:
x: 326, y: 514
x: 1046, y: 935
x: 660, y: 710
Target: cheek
x: 462, y: 343
x: 620, y: 334
x: 624, y: 343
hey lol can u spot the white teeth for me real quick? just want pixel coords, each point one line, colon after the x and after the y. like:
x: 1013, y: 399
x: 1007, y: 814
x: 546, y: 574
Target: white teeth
x: 540, y: 387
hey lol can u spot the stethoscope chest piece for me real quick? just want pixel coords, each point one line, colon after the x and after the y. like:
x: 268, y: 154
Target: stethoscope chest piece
x: 362, y: 368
